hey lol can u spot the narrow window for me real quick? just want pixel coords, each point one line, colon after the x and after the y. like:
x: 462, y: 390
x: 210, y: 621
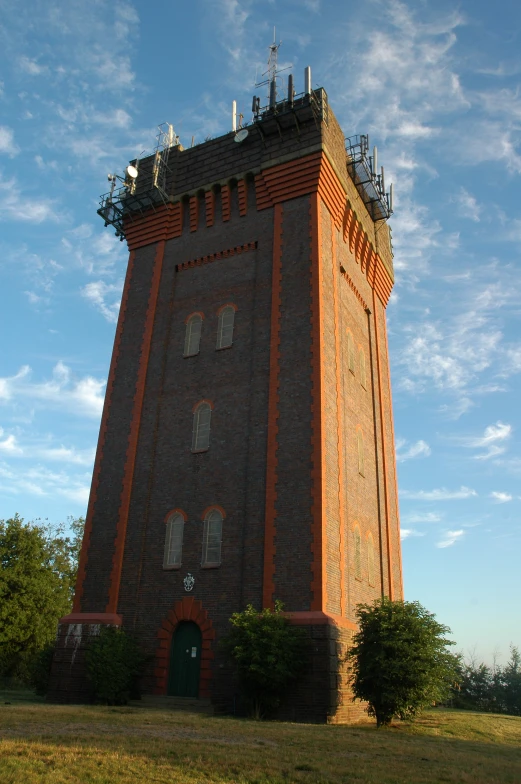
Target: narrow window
x: 363, y: 375
x: 225, y: 327
x: 201, y: 429
x: 350, y: 352
x: 360, y: 444
x: 358, y: 553
x: 370, y: 560
x: 212, y: 538
x: 174, y: 541
x: 193, y: 335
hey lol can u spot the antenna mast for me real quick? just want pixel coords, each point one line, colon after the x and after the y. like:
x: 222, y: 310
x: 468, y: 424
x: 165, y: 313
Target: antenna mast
x: 272, y: 73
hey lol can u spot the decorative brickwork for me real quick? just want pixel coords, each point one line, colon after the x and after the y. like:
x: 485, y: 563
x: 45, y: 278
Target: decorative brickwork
x: 223, y: 254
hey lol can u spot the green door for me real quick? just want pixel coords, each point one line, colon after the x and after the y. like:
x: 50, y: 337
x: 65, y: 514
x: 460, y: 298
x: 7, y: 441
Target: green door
x: 185, y: 661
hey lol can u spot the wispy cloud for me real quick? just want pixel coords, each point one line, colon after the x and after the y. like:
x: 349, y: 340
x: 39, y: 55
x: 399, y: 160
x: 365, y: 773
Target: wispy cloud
x: 450, y: 538
x: 422, y: 517
x: 40, y: 481
x: 9, y: 444
x: 7, y: 144
x: 79, y: 396
x: 106, y: 297
x: 501, y: 498
x: 18, y: 206
x: 418, y: 449
x: 491, y: 439
x: 407, y: 533
x: 468, y: 206
x: 439, y: 494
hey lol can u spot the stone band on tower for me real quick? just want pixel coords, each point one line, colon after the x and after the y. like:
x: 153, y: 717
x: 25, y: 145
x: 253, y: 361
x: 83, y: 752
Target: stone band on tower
x: 246, y: 449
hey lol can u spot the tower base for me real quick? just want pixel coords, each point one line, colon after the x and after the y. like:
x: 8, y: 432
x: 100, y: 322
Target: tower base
x: 68, y: 681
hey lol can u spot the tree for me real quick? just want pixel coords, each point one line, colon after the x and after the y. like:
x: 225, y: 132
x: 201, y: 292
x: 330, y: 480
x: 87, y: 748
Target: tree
x: 37, y: 572
x: 511, y: 683
x: 268, y: 653
x: 400, y: 660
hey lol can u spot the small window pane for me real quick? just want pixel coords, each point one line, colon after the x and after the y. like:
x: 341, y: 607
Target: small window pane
x: 174, y: 541
x: 370, y: 561
x: 225, y: 327
x: 350, y: 353
x: 201, y: 429
x: 212, y: 538
x: 363, y: 377
x: 360, y: 443
x: 193, y: 335
x: 358, y: 553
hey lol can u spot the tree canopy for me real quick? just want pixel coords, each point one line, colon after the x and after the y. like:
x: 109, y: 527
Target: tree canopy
x: 400, y: 659
x: 38, y: 566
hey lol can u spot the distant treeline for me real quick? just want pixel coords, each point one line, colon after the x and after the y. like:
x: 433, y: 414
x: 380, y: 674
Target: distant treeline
x: 493, y: 689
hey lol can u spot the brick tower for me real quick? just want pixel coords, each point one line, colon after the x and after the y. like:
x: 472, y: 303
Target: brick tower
x: 246, y: 450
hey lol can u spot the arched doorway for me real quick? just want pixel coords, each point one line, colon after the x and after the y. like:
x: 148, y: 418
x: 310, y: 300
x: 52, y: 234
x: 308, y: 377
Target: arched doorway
x: 185, y: 661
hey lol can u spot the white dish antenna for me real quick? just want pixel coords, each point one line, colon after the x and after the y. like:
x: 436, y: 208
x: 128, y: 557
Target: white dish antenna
x: 132, y: 172
x: 241, y: 135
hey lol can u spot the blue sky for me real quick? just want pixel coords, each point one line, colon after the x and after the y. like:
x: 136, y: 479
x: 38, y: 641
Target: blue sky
x: 438, y: 88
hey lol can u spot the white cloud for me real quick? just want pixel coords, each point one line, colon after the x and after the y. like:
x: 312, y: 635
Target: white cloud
x: 15, y: 205
x: 99, y: 293
x: 490, y: 440
x: 40, y: 481
x: 419, y: 449
x: 79, y: 396
x: 9, y: 444
x: 468, y: 205
x: 7, y: 144
x: 407, y: 533
x: 422, y: 517
x: 450, y: 538
x: 439, y: 494
x: 501, y: 498
x: 31, y: 67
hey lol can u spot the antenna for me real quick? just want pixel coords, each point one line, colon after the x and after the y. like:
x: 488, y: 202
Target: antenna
x: 234, y: 116
x: 375, y: 159
x: 307, y: 80
x: 272, y: 74
x: 391, y: 197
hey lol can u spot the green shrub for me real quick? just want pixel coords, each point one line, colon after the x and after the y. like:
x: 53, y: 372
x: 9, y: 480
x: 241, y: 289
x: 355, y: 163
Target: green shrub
x: 268, y: 653
x: 114, y: 663
x: 400, y: 660
x: 41, y: 670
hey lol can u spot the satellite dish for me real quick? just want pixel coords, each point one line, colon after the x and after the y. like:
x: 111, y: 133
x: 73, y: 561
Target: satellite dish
x: 241, y: 135
x: 132, y: 172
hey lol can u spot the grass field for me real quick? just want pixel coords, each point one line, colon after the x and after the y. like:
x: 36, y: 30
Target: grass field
x: 103, y: 745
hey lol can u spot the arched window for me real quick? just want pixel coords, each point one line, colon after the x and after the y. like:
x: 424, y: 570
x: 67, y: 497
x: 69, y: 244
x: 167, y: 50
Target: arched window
x: 363, y: 374
x: 174, y: 541
x: 358, y: 552
x: 193, y: 335
x: 212, y: 538
x: 201, y: 428
x: 350, y: 352
x: 225, y: 327
x: 370, y: 560
x: 360, y: 445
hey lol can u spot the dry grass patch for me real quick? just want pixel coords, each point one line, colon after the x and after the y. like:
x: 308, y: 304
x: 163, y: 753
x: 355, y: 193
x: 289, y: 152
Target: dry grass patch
x: 102, y: 745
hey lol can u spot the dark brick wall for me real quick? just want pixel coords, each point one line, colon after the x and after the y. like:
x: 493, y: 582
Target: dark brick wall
x: 293, y: 506
x: 96, y: 584
x: 232, y: 473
